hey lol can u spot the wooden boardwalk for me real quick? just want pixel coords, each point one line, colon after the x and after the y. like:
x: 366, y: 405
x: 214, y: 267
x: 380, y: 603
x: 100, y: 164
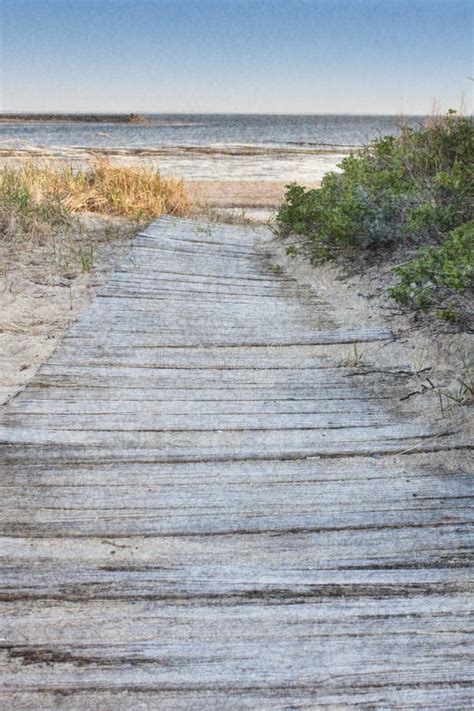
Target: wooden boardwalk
x: 200, y: 510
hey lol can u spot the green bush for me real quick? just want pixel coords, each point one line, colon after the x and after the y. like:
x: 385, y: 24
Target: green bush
x: 411, y: 190
x: 439, y: 274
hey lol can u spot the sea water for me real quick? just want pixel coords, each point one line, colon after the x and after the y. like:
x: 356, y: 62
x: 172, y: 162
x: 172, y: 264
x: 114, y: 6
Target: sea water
x: 287, y: 147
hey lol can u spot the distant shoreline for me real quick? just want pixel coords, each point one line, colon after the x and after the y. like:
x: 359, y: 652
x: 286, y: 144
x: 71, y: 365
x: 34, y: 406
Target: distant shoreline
x: 73, y: 118
x: 143, y: 152
x: 216, y: 163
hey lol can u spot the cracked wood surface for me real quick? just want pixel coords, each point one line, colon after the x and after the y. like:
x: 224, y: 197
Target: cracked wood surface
x: 201, y: 510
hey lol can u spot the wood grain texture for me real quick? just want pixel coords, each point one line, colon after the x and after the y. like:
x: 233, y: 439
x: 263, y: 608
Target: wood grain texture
x: 201, y: 510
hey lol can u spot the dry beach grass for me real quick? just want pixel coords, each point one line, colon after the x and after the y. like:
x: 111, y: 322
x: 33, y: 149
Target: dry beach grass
x: 35, y: 192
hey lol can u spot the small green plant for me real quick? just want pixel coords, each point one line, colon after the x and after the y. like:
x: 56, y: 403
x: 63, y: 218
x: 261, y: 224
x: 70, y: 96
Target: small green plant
x: 449, y: 313
x: 204, y: 230
x: 459, y: 394
x: 85, y: 257
x: 228, y: 217
x: 462, y: 393
x: 354, y: 359
x: 276, y: 268
x: 292, y: 250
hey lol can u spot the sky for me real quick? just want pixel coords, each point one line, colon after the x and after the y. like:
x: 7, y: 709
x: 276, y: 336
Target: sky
x: 235, y: 56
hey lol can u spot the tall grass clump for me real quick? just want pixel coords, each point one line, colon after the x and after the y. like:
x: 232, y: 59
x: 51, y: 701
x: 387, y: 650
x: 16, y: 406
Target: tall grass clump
x: 26, y: 212
x: 136, y: 192
x: 412, y: 190
x: 37, y: 197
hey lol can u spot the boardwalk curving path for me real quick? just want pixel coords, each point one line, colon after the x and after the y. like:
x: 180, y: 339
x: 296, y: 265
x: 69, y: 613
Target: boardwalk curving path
x: 201, y: 511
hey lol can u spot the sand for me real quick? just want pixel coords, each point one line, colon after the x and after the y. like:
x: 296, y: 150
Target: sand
x: 429, y: 357
x: 236, y: 193
x: 42, y: 292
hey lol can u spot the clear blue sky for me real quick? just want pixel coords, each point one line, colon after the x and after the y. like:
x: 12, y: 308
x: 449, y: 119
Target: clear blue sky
x: 275, y: 56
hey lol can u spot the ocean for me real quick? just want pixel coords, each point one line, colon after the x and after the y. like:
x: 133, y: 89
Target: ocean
x: 216, y: 146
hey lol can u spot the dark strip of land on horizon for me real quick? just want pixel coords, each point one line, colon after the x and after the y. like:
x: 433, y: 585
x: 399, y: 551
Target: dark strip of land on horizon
x: 88, y: 118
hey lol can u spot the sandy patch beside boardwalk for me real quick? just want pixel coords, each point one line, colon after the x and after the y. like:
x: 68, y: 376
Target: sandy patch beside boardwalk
x: 41, y: 293
x: 243, y: 194
x: 426, y: 357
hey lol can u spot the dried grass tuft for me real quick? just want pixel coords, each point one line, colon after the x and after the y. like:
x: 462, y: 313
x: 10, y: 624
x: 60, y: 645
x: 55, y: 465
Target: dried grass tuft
x: 39, y: 197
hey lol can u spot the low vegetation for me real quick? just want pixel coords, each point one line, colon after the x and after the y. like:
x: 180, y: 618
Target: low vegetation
x: 354, y: 359
x: 38, y: 199
x: 440, y: 277
x: 413, y: 193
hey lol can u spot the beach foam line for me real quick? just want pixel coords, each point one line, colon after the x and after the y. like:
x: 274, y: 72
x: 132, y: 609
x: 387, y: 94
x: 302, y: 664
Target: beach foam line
x: 227, y: 150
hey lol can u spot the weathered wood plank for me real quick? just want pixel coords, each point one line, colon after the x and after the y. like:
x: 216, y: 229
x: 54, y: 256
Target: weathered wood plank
x: 419, y: 696
x: 240, y: 443
x: 238, y: 565
x: 200, y: 510
x: 25, y: 467
x: 227, y: 662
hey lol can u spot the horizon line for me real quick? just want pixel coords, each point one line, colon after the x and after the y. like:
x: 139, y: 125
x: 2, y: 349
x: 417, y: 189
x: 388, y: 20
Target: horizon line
x: 212, y: 113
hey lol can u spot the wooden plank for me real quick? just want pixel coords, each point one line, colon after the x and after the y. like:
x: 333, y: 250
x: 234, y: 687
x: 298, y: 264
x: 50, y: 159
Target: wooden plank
x: 416, y: 696
x: 236, y: 564
x: 201, y: 510
x: 228, y: 639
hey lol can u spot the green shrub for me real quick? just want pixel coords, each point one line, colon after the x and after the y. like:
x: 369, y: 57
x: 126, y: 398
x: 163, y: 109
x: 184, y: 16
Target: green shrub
x: 439, y: 274
x: 411, y: 189
x: 416, y: 190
